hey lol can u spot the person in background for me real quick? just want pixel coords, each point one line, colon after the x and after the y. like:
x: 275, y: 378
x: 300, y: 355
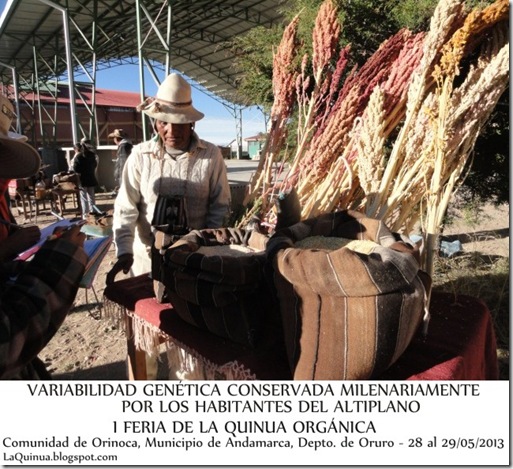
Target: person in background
x: 123, y: 152
x: 35, y: 297
x: 13, y: 238
x: 77, y: 148
x: 175, y: 162
x: 84, y: 164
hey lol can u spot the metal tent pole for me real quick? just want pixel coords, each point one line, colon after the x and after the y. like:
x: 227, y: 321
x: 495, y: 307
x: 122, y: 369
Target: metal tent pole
x: 16, y: 95
x: 69, y: 64
x: 141, y: 67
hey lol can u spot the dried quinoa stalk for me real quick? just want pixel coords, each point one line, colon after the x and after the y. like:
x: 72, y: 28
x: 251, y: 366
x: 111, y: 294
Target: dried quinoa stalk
x: 405, y: 90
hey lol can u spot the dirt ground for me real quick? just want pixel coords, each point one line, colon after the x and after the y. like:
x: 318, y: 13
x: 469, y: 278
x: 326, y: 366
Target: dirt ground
x: 88, y: 347
x: 486, y: 231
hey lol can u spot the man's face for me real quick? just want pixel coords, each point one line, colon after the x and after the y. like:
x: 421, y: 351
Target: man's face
x: 177, y: 136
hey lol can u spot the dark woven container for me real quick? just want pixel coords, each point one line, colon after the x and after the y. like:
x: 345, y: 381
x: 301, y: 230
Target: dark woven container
x: 230, y: 296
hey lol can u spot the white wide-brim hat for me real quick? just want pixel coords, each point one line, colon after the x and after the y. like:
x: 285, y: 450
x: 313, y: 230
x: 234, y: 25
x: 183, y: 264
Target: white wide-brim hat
x: 173, y: 102
x: 118, y: 133
x: 18, y: 159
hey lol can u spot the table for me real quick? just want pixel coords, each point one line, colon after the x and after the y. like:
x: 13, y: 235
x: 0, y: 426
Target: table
x: 26, y: 198
x: 60, y: 195
x: 460, y: 344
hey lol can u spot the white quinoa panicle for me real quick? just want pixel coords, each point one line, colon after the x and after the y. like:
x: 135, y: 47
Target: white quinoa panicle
x: 332, y: 243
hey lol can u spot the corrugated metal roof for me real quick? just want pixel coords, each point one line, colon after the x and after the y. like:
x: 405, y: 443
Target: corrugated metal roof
x: 105, y: 98
x: 198, y: 37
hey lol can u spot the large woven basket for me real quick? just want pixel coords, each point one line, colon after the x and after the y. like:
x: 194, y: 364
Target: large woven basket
x: 226, y: 294
x: 346, y: 315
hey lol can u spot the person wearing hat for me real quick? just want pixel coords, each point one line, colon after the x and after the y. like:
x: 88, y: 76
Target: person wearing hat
x: 16, y: 158
x: 123, y: 152
x: 175, y: 162
x: 84, y: 164
x: 35, y: 301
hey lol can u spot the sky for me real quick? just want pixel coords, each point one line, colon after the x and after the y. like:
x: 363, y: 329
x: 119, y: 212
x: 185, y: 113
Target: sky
x: 218, y: 126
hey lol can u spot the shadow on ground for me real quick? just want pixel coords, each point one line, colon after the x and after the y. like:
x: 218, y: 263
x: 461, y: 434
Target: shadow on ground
x: 482, y: 235
x: 114, y: 371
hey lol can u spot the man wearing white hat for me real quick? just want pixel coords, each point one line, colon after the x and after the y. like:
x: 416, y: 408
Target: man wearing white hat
x: 175, y: 162
x: 34, y: 302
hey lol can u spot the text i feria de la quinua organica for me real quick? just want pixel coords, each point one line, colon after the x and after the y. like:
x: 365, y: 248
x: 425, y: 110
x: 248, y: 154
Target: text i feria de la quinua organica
x: 249, y: 398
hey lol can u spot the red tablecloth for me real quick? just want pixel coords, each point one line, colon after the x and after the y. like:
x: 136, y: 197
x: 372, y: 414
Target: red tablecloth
x: 460, y: 344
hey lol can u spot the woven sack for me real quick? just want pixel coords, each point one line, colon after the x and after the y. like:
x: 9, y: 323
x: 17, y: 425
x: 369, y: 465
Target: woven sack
x: 66, y: 177
x: 225, y: 294
x: 346, y: 315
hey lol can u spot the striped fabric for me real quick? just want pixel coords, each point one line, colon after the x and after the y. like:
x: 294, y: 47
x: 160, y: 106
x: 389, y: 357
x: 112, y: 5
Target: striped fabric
x: 162, y: 241
x: 346, y: 315
x: 228, y: 296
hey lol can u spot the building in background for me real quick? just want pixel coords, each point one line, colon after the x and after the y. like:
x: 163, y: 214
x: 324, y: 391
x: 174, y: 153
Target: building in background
x: 255, y: 145
x: 47, y: 123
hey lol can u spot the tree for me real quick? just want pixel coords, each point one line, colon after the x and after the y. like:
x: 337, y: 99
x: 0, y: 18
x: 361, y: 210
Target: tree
x: 488, y: 172
x: 254, y: 58
x: 366, y: 24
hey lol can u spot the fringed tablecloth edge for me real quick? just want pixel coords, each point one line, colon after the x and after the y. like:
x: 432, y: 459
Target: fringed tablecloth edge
x: 230, y: 371
x: 147, y: 337
x: 114, y: 313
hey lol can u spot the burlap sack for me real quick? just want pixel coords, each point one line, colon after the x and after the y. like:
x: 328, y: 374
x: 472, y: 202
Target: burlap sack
x: 346, y: 315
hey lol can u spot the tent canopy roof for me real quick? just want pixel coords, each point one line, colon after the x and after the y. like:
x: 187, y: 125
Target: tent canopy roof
x: 197, y: 38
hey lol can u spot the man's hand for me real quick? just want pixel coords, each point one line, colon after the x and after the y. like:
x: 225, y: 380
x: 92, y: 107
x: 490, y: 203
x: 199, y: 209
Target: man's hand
x: 70, y: 233
x: 74, y: 235
x: 123, y: 263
